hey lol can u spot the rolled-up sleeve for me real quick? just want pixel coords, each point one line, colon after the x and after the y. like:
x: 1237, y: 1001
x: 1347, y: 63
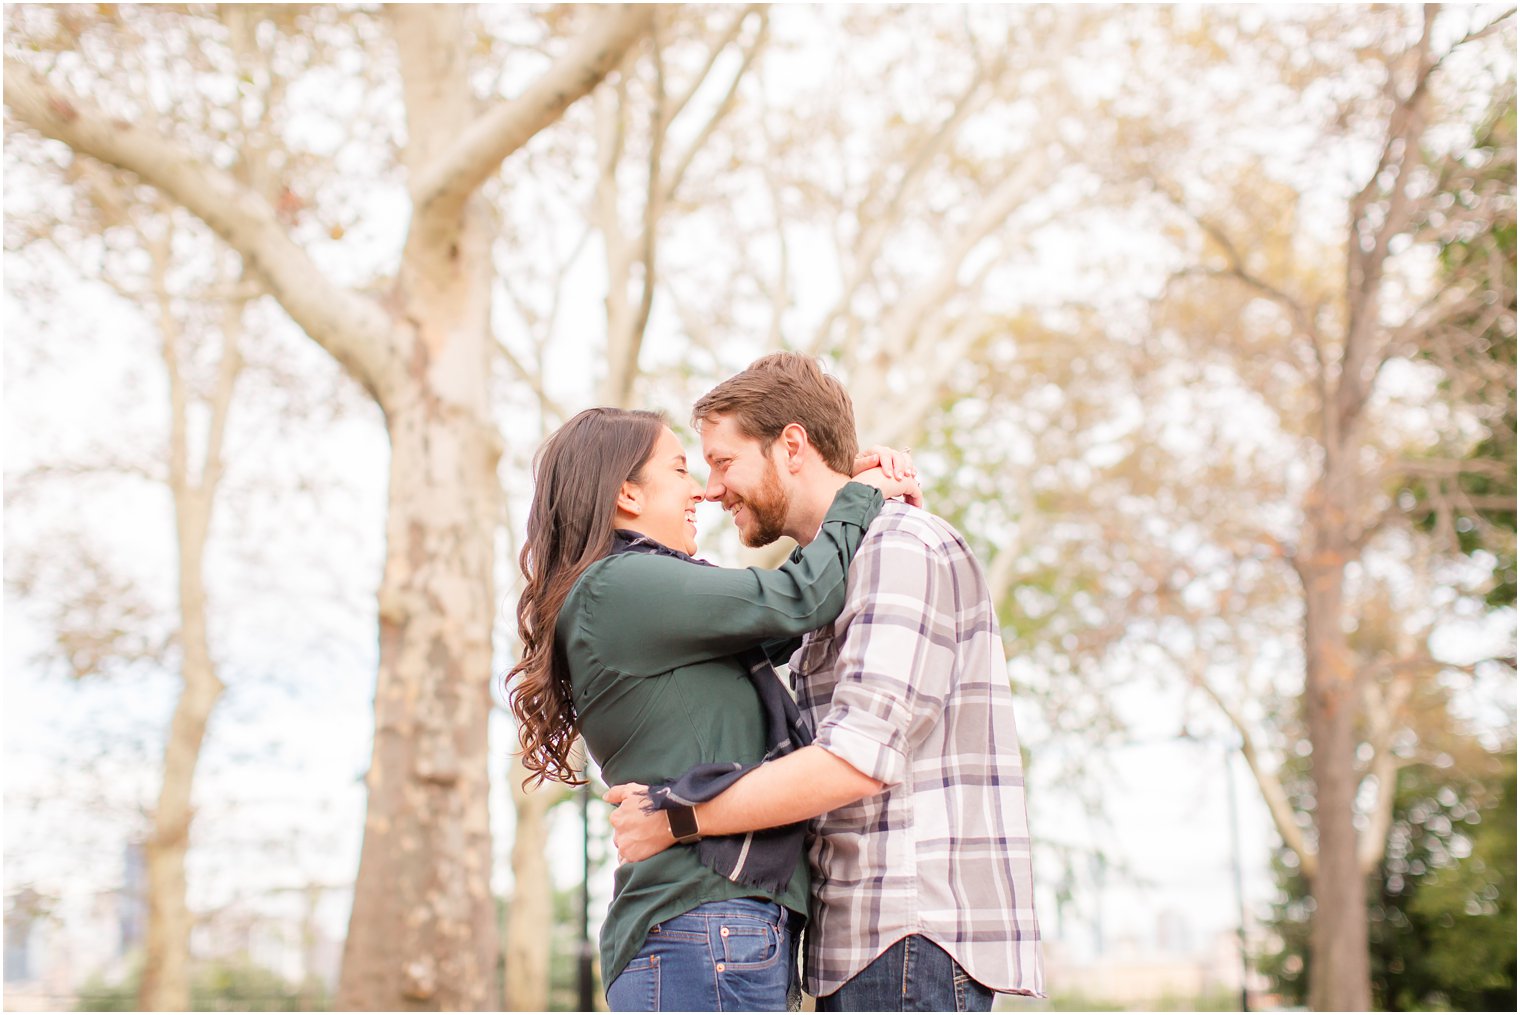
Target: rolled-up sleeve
x: 896, y: 655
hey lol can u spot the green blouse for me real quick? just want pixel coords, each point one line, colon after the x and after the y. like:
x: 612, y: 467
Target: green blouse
x: 650, y: 642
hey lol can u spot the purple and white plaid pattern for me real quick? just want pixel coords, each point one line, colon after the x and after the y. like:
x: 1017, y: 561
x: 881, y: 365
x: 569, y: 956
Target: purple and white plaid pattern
x: 910, y: 686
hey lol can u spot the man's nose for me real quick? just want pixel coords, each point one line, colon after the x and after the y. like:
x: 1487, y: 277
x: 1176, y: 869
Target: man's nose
x: 714, y: 491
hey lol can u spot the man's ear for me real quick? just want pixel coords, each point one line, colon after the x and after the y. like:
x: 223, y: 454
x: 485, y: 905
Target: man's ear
x: 630, y: 499
x: 794, y: 441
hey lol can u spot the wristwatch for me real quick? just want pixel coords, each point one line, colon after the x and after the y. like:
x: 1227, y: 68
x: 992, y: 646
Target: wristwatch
x: 683, y: 824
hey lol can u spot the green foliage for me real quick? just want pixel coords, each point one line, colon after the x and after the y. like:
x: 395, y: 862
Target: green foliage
x: 97, y: 994
x: 1470, y: 953
x: 1441, y: 908
x: 227, y: 985
x: 1488, y: 261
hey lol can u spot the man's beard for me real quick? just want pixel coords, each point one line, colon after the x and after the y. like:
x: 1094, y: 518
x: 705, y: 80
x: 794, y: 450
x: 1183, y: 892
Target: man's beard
x: 767, y: 510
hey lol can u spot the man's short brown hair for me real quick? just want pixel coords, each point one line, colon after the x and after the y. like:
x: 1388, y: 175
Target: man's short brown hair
x: 784, y: 388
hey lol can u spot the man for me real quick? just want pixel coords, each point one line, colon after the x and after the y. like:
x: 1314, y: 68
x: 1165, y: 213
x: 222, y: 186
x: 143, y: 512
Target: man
x: 922, y: 887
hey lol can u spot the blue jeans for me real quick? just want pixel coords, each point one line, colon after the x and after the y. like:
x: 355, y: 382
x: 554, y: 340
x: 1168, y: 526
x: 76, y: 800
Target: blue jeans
x: 915, y: 974
x: 721, y: 956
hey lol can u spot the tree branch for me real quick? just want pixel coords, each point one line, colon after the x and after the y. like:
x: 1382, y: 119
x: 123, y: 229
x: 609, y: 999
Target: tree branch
x: 158, y: 248
x: 725, y: 106
x: 1000, y: 573
x: 872, y: 238
x: 1366, y: 267
x: 221, y: 401
x: 534, y: 380
x: 1237, y: 268
x: 617, y: 248
x: 654, y: 207
x: 344, y: 323
x: 1382, y: 709
x: 1437, y: 312
x: 1278, y: 804
x: 1449, y: 467
x: 780, y: 289
x: 729, y: 35
x: 25, y: 482
x: 901, y: 332
x: 443, y: 187
x: 1398, y: 124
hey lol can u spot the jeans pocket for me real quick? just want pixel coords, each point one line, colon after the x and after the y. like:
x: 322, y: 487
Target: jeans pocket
x: 637, y: 987
x: 754, y: 972
x: 970, y: 994
x: 749, y: 944
x: 688, y: 928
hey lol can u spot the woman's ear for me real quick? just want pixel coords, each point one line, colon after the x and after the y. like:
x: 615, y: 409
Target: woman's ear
x: 630, y: 499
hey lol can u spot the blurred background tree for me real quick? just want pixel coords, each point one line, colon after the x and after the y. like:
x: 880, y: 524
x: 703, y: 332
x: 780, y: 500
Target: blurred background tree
x: 164, y: 270
x: 1441, y: 906
x: 422, y: 931
x: 1304, y: 312
x: 1473, y: 508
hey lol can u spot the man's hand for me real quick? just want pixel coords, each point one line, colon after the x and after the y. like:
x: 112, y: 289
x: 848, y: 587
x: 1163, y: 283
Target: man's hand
x: 806, y: 783
x: 637, y: 835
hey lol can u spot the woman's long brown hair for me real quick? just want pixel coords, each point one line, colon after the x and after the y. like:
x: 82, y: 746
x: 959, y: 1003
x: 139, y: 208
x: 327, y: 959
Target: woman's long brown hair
x: 576, y: 478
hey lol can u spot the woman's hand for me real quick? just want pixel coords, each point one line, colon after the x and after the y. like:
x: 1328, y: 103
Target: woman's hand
x: 891, y: 471
x: 637, y: 834
x: 894, y: 463
x: 906, y: 488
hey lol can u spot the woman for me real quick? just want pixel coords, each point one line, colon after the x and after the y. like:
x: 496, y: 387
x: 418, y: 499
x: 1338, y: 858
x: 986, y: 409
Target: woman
x: 657, y: 660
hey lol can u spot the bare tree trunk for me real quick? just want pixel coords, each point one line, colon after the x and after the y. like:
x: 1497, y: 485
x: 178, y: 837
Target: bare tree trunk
x: 166, y: 979
x: 165, y: 982
x: 532, y: 912
x: 423, y: 934
x: 1340, y: 975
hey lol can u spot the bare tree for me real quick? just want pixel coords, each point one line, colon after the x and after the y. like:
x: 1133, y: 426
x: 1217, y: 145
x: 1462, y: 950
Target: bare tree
x: 422, y: 932
x: 200, y: 338
x: 193, y: 482
x: 1261, y: 310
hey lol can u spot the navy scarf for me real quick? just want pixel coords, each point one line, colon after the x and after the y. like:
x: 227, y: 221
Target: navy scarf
x: 764, y: 859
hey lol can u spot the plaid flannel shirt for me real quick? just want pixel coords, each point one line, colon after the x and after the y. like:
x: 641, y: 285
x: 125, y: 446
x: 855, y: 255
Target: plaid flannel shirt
x: 910, y: 686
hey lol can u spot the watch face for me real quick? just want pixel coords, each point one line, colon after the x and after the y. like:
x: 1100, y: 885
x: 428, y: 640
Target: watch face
x: 683, y: 824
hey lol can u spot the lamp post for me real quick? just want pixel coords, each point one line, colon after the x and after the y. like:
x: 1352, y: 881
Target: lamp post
x: 1236, y: 870
x: 583, y: 956
x: 1240, y: 890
